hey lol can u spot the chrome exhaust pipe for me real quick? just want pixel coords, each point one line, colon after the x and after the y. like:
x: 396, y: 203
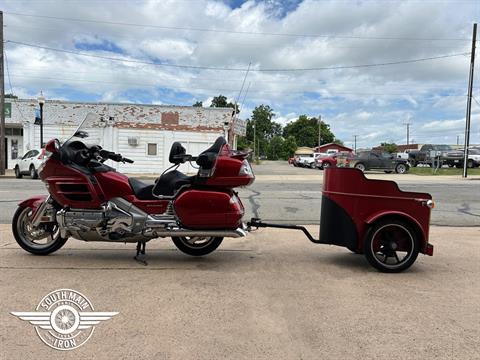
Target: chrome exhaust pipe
x: 203, y: 233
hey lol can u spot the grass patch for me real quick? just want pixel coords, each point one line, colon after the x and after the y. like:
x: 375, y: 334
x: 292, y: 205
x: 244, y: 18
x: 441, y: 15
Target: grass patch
x: 442, y: 171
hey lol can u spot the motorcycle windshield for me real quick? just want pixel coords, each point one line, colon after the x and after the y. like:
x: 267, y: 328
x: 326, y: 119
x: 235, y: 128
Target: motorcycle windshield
x: 89, y: 130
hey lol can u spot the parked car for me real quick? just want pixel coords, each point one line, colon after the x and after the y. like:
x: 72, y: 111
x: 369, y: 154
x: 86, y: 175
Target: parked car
x: 338, y: 159
x: 446, y: 154
x: 403, y: 155
x: 370, y: 160
x: 29, y: 163
x: 473, y: 157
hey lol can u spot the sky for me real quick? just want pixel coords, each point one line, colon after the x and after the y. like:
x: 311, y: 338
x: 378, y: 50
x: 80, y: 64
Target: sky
x: 302, y: 57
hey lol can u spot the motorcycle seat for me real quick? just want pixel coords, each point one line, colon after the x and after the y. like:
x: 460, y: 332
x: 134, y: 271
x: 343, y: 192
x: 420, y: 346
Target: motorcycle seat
x: 141, y: 190
x: 170, y: 182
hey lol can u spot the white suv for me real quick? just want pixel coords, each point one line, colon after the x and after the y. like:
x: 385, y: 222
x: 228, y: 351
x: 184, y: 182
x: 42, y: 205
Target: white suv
x: 29, y: 163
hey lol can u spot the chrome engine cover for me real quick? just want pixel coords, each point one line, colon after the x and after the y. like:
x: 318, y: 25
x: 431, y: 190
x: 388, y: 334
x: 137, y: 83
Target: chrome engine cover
x: 118, y: 221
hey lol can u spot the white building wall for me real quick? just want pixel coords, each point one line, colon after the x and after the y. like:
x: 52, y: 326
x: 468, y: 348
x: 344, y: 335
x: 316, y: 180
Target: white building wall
x: 196, y: 128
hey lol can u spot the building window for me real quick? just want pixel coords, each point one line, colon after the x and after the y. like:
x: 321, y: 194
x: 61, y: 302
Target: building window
x: 152, y: 149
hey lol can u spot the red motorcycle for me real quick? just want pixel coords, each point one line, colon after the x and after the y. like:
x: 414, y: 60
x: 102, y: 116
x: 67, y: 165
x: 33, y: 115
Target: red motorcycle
x: 88, y: 200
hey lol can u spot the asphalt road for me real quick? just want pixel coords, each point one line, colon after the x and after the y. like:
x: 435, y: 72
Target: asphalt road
x: 296, y: 199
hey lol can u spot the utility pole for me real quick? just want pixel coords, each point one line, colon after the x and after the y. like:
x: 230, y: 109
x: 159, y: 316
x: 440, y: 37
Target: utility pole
x: 407, y: 124
x: 355, y: 144
x: 319, y: 131
x: 3, y: 160
x: 458, y: 139
x: 469, y: 103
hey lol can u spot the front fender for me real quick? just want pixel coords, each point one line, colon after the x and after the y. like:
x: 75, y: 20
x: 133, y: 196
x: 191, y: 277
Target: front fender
x: 33, y: 203
x: 373, y: 218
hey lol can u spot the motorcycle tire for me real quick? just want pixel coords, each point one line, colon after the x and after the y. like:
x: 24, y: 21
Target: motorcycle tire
x: 19, y: 232
x: 188, y: 245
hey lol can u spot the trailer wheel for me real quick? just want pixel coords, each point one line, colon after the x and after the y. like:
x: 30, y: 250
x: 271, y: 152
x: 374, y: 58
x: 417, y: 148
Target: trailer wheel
x: 391, y: 245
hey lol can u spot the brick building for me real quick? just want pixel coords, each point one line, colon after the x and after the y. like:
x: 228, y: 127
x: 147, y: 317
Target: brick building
x: 143, y: 133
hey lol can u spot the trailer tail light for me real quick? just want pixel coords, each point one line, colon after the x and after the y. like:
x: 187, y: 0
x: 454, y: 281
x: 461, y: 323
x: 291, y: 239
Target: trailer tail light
x: 429, y: 250
x: 430, y: 204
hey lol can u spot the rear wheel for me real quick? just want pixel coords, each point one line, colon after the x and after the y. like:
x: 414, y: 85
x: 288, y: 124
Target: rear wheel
x: 42, y: 240
x: 470, y: 163
x: 18, y: 174
x: 312, y: 165
x: 33, y: 172
x: 326, y: 165
x: 401, y: 168
x: 360, y: 166
x: 391, y: 246
x: 197, y: 245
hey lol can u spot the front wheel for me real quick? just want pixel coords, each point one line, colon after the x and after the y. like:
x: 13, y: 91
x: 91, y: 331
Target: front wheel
x: 197, y: 245
x: 391, y: 246
x: 42, y: 240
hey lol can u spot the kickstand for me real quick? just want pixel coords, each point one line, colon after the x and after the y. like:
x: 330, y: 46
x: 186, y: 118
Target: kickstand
x: 140, y: 257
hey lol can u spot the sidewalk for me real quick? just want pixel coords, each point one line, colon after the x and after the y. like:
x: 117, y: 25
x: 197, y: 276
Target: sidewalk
x: 271, y: 295
x: 9, y: 174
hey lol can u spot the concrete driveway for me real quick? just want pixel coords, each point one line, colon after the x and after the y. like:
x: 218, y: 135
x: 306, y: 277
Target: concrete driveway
x: 272, y: 295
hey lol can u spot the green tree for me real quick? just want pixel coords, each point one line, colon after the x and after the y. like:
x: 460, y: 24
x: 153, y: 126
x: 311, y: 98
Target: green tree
x: 305, y: 131
x: 275, y: 149
x: 11, y: 96
x: 221, y: 101
x: 389, y: 147
x: 243, y: 143
x: 289, y: 147
x: 262, y: 128
x: 198, y: 104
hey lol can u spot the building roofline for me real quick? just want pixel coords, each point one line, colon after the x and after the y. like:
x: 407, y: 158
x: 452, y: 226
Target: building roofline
x: 116, y: 103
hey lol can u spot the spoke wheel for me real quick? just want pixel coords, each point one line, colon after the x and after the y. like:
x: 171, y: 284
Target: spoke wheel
x: 391, y: 246
x: 42, y: 240
x: 197, y: 245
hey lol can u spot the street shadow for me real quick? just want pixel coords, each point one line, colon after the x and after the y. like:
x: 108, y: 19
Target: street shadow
x: 114, y: 259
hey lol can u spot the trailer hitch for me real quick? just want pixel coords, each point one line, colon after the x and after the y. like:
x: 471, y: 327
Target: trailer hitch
x: 258, y: 223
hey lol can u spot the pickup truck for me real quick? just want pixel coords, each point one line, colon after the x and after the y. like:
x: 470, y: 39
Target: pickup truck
x: 446, y: 154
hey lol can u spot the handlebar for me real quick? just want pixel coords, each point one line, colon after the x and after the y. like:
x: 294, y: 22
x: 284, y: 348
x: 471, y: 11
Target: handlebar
x: 113, y: 156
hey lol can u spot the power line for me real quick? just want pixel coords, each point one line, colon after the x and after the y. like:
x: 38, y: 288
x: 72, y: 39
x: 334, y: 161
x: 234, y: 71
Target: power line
x: 226, y: 31
x: 286, y: 79
x: 173, y: 86
x: 236, y: 69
